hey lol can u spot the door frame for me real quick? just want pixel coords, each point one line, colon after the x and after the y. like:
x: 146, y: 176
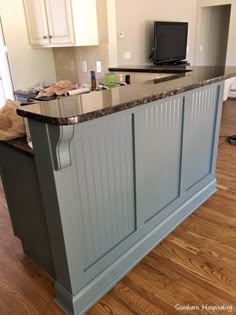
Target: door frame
x: 198, y: 27
x: 6, y: 82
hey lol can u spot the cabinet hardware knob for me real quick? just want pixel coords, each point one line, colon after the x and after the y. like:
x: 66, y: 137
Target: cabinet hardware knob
x: 45, y: 37
x: 50, y: 36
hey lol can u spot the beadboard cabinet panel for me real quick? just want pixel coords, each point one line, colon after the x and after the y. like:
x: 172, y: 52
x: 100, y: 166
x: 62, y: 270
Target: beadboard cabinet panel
x: 104, y: 174
x: 198, y: 136
x: 158, y: 129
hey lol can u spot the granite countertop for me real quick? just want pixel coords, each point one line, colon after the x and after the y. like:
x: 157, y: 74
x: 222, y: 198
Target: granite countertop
x: 81, y: 108
x: 19, y: 144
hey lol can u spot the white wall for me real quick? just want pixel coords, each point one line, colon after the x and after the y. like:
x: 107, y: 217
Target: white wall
x: 135, y: 19
x: 2, y: 94
x: 112, y: 32
x: 28, y: 65
x: 6, y: 88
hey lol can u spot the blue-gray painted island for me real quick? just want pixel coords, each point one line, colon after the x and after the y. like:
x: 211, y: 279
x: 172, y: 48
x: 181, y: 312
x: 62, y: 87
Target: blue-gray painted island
x: 112, y: 181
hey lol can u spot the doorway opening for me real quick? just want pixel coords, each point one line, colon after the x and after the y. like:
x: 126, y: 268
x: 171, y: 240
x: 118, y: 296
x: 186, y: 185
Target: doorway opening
x: 213, y: 35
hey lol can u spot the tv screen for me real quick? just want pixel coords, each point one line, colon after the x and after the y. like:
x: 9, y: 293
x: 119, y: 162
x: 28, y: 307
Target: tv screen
x: 170, y: 41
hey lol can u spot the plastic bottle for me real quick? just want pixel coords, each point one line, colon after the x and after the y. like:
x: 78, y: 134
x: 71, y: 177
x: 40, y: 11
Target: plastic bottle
x: 93, y: 80
x: 127, y: 78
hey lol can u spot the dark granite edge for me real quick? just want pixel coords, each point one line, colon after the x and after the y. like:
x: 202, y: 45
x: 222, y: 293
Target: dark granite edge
x: 19, y: 144
x: 119, y: 107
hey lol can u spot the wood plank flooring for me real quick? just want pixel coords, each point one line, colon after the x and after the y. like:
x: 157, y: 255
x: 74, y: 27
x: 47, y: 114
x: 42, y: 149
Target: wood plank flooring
x: 195, y: 265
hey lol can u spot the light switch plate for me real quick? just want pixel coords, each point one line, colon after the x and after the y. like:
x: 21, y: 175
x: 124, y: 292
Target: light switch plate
x: 99, y: 66
x: 84, y: 66
x: 127, y: 55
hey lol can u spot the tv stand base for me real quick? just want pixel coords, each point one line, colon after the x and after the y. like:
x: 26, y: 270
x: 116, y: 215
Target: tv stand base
x: 176, y: 63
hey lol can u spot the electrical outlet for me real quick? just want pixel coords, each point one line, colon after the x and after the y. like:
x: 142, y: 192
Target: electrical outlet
x: 84, y: 66
x: 71, y: 66
x: 99, y: 66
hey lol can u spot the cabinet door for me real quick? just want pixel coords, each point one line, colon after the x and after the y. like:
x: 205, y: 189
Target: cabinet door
x: 199, y: 135
x: 158, y: 128
x: 60, y: 23
x: 37, y: 22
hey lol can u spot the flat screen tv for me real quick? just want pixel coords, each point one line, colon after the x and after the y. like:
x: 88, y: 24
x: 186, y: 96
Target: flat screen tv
x: 170, y: 42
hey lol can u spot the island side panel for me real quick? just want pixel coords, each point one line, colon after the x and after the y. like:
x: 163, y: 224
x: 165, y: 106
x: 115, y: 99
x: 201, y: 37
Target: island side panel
x: 24, y: 200
x: 96, y: 186
x: 44, y: 161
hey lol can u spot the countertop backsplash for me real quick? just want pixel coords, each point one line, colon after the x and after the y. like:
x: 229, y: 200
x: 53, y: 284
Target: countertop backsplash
x: 68, y: 63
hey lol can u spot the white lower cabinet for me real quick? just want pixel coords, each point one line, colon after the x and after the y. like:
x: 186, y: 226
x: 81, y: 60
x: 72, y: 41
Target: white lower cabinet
x: 57, y: 23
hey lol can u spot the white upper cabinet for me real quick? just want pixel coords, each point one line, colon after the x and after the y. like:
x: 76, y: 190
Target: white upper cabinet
x: 57, y: 23
x: 37, y: 22
x: 60, y: 25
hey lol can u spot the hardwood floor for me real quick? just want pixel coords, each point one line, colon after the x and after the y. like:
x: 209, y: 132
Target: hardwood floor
x: 195, y: 265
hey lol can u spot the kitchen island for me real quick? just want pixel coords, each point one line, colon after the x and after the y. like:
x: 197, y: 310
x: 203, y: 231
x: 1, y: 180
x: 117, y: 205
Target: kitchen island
x: 116, y: 171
